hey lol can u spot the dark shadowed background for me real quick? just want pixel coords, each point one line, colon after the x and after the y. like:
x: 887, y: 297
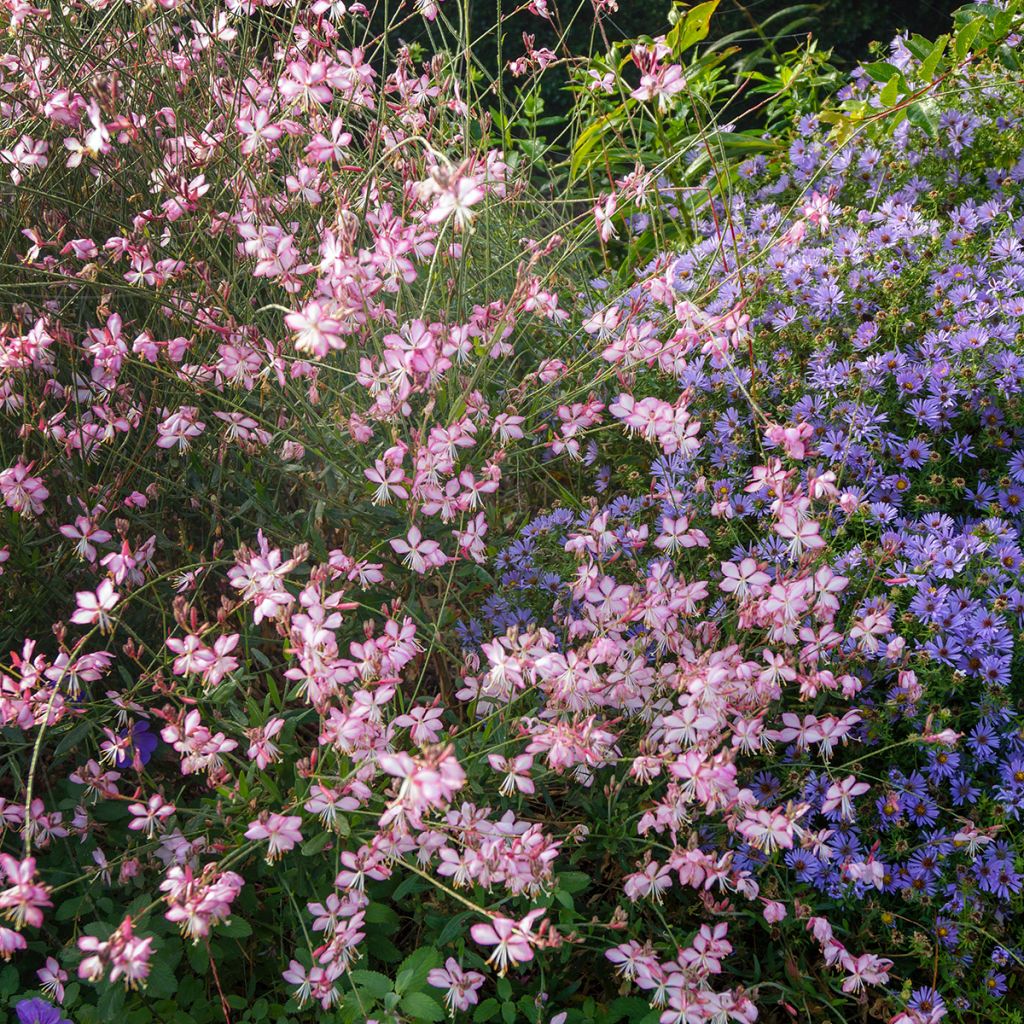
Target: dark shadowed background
x: 846, y: 27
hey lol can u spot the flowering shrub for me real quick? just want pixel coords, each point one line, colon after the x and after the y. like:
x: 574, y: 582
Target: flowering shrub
x: 405, y: 622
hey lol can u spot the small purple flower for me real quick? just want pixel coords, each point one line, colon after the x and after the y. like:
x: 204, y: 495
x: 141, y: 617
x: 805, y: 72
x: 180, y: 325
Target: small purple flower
x: 144, y: 742
x: 38, y: 1011
x: 995, y: 984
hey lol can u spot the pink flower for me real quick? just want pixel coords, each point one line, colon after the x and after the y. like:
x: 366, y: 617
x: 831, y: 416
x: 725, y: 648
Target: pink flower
x: 462, y: 985
x: 743, y: 579
x: 180, y: 428
x: 801, y: 534
x: 23, y: 900
x: 315, y: 331
x: 23, y: 492
x: 420, y: 555
x: 150, y: 816
x: 517, y: 771
x: 51, y: 979
x: 604, y: 212
x: 867, y: 969
x: 11, y: 942
x: 456, y: 199
x: 86, y: 534
x: 511, y: 943
x: 281, y: 832
x: 261, y: 749
x: 840, y: 796
x: 95, y: 608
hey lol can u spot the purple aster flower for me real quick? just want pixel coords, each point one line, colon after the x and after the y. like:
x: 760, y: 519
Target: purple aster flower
x: 995, y: 984
x: 962, y: 791
x: 947, y: 932
x: 926, y: 1001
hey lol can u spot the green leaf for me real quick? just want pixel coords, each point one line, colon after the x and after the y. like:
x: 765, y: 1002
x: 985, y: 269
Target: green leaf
x: 881, y: 70
x: 198, y: 958
x: 411, y: 885
x: 691, y: 28
x: 9, y: 980
x: 235, y: 928
x: 931, y: 62
x: 111, y: 1002
x: 508, y: 1013
x: 415, y: 967
x: 420, y: 1006
x: 316, y: 844
x: 382, y: 948
x: 504, y: 988
x: 627, y: 1008
x: 161, y: 983
x: 485, y: 1011
x: 573, y: 881
x: 453, y: 927
x: 69, y: 909
x: 965, y: 37
x: 891, y: 91
x: 383, y: 916
x: 372, y: 982
x: 919, y: 116
x: 593, y: 134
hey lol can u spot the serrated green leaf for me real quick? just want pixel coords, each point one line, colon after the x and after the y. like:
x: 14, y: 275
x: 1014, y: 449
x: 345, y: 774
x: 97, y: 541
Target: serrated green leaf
x: 508, y: 1013
x: 110, y: 1002
x: 486, y: 1011
x: 627, y: 1008
x: 412, y: 974
x: 9, y: 983
x: 382, y: 948
x: 161, y: 983
x: 420, y: 1006
x: 372, y: 982
x: 381, y: 915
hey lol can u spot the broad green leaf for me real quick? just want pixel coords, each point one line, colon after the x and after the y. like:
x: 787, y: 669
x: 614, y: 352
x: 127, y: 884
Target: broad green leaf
x: 235, y: 928
x: 573, y: 881
x: 919, y: 116
x: 931, y: 62
x: 486, y: 1011
x: 420, y: 1006
x: 317, y: 844
x: 891, y: 92
x: 965, y: 37
x: 415, y: 967
x: 881, y: 70
x: 161, y: 983
x: 692, y: 27
x: 373, y: 982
